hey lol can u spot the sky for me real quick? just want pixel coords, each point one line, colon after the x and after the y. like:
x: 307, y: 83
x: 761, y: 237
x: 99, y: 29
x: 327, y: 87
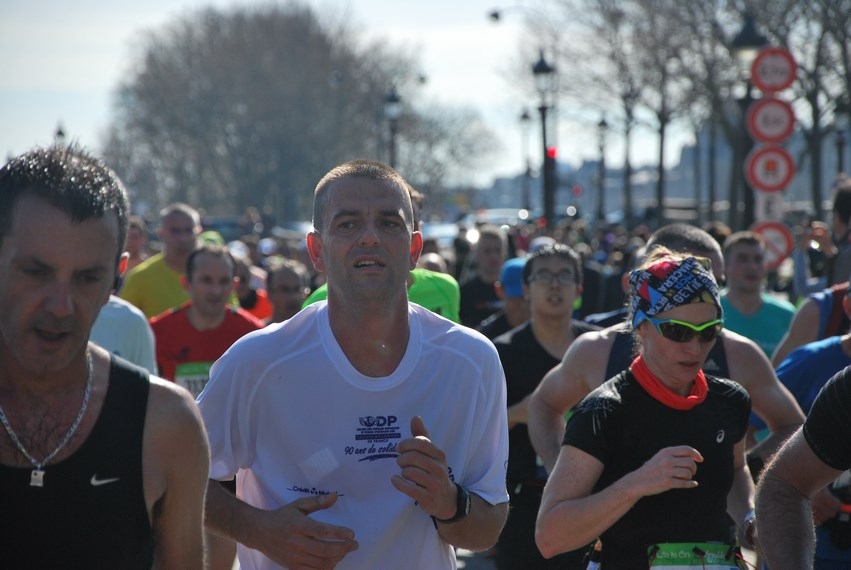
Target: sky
x: 62, y: 60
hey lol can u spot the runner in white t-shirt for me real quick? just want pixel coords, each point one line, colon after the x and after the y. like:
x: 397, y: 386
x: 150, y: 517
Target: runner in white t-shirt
x: 366, y: 432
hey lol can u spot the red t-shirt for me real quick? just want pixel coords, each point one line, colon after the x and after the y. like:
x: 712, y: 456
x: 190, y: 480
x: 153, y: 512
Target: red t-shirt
x: 185, y: 354
x: 262, y: 308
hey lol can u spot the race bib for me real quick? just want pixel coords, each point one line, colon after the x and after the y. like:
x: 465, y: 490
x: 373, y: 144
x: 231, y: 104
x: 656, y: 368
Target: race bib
x: 690, y: 555
x: 193, y: 376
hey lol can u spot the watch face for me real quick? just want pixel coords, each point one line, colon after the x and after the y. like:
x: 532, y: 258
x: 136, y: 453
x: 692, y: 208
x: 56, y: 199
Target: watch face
x: 462, y: 506
x: 463, y: 503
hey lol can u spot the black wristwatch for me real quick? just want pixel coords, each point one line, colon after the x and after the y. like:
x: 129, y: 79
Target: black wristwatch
x: 462, y: 507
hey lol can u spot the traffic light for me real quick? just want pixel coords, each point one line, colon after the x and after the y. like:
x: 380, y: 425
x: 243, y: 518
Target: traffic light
x: 551, y: 152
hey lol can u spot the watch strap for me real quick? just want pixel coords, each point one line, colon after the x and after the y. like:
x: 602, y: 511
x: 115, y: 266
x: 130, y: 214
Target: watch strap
x: 462, y: 507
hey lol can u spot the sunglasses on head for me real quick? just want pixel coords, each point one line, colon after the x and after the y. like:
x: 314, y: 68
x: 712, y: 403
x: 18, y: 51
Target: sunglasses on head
x: 681, y: 331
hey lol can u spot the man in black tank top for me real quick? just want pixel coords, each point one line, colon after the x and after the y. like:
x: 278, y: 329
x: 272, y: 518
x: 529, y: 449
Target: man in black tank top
x: 101, y: 466
x: 551, y: 280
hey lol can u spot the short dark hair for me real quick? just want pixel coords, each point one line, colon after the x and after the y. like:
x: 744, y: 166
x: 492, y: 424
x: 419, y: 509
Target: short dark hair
x: 185, y: 209
x: 683, y: 238
x: 69, y: 179
x: 718, y: 230
x: 560, y: 251
x: 745, y: 237
x: 139, y: 223
x: 493, y: 231
x: 371, y: 169
x: 214, y: 249
x: 296, y: 267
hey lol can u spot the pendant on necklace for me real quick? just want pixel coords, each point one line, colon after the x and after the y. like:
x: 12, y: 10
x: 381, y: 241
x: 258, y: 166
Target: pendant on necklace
x: 37, y: 478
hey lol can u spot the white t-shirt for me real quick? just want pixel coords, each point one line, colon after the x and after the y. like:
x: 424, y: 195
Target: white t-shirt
x: 123, y: 329
x: 288, y: 414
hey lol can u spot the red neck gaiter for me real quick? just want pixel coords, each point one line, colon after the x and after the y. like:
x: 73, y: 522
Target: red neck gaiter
x: 664, y: 394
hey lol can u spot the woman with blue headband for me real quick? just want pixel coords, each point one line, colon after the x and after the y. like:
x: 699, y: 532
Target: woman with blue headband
x: 653, y: 461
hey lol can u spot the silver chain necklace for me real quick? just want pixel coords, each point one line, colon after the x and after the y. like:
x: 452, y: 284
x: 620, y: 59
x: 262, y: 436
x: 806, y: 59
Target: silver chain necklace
x: 37, y: 475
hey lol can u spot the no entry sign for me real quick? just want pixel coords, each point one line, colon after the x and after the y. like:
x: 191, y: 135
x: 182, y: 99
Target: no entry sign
x: 778, y: 242
x: 769, y: 168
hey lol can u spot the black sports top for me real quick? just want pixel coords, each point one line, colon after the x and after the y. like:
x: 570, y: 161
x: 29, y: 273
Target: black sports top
x: 91, y: 511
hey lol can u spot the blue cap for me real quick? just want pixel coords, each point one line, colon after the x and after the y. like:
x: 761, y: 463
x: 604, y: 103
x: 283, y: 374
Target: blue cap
x: 511, y: 276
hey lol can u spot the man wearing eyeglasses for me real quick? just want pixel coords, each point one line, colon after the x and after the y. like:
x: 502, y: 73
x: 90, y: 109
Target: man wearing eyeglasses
x: 582, y: 369
x: 551, y: 281
x: 154, y: 286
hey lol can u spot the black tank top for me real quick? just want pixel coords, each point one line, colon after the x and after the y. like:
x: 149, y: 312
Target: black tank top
x: 91, y: 511
x: 623, y: 353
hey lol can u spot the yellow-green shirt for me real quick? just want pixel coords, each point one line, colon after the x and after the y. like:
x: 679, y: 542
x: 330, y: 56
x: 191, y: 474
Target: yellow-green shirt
x: 437, y: 292
x: 153, y: 287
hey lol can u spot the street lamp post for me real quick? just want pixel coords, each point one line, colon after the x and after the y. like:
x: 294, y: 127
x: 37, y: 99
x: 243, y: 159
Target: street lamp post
x: 842, y: 116
x: 544, y: 74
x: 602, y: 128
x: 525, y: 120
x: 746, y: 46
x: 392, y: 111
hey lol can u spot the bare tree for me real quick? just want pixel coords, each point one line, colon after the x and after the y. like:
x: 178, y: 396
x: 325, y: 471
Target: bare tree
x: 227, y: 109
x: 674, y: 61
x: 444, y: 144
x: 598, y: 66
x: 665, y: 89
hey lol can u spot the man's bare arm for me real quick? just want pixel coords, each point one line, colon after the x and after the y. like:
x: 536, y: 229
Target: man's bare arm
x: 424, y: 477
x: 176, y: 465
x: 784, y: 518
x: 581, y: 370
x: 770, y: 399
x: 480, y: 530
x: 802, y: 330
x: 286, y: 535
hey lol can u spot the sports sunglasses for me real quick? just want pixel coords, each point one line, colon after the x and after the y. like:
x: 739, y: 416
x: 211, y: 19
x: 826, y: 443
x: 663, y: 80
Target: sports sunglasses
x: 681, y: 331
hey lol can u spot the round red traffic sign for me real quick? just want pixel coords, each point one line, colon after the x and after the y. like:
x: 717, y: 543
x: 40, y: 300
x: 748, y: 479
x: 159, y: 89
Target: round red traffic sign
x: 778, y: 242
x: 773, y: 69
x: 769, y: 168
x: 771, y: 120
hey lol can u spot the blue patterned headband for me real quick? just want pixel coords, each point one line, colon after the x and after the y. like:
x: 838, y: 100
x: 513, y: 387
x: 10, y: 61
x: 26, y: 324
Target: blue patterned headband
x: 670, y: 283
